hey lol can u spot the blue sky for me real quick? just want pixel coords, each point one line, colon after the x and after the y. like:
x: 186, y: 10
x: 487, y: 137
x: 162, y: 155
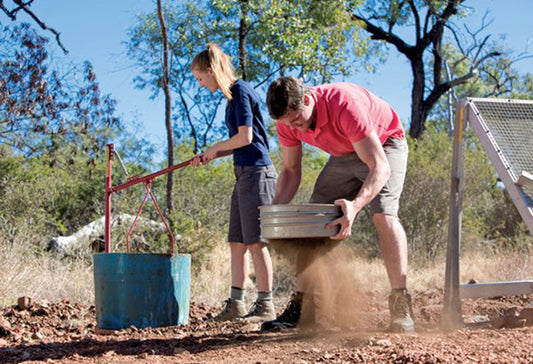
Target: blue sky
x: 94, y: 31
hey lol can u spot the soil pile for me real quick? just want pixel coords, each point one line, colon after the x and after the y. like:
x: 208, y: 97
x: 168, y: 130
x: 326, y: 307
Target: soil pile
x: 65, y: 332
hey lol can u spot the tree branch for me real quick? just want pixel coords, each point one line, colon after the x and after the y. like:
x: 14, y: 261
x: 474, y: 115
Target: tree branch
x: 378, y: 33
x: 24, y: 6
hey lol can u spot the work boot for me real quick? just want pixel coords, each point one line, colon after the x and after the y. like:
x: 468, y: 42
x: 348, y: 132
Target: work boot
x: 401, y: 312
x: 289, y: 318
x: 234, y: 309
x: 262, y: 310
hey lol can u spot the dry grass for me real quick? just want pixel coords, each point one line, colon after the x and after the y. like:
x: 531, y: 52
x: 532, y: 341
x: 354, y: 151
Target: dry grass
x: 43, y: 277
x: 46, y: 277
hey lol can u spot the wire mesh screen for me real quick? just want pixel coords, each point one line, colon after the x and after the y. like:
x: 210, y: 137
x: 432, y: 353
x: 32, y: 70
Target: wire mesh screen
x: 510, y: 122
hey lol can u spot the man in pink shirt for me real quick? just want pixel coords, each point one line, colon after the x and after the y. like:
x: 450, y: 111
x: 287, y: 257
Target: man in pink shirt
x: 367, y: 166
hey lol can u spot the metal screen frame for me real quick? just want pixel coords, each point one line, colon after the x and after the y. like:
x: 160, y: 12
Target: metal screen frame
x: 513, y: 180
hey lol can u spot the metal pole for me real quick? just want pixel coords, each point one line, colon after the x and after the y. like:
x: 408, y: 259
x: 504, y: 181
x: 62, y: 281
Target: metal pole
x: 452, y: 315
x: 136, y: 179
x: 108, y: 191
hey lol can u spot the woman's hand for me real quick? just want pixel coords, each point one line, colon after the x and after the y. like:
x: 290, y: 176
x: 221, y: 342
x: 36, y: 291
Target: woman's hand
x: 198, y: 160
x: 210, y: 154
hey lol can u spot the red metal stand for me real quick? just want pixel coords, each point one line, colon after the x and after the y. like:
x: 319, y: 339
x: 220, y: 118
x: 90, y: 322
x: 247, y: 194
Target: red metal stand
x: 147, y: 180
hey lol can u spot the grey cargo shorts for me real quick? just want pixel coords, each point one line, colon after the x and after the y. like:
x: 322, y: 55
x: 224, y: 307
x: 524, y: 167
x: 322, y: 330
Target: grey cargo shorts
x: 254, y: 186
x: 342, y: 178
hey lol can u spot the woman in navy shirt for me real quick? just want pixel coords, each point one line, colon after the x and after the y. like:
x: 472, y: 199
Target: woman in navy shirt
x: 254, y: 186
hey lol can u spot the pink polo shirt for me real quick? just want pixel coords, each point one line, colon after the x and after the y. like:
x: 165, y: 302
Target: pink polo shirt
x: 345, y: 114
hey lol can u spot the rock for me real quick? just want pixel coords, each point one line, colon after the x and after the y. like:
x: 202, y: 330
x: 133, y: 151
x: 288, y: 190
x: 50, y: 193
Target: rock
x: 527, y: 314
x: 178, y: 351
x: 100, y: 331
x: 5, y: 327
x: 24, y: 302
x: 37, y: 336
x: 384, y: 342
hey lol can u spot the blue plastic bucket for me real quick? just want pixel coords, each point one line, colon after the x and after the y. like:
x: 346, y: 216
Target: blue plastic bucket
x: 144, y: 290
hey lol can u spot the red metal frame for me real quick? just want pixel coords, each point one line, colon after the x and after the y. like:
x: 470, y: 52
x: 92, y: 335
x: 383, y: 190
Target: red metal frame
x: 147, y: 180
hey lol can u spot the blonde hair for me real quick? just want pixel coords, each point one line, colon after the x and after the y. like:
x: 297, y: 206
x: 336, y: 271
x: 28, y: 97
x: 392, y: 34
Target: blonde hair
x: 215, y: 59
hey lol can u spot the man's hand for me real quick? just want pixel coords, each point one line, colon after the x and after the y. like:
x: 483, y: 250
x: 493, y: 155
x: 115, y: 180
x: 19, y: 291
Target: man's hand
x: 346, y: 220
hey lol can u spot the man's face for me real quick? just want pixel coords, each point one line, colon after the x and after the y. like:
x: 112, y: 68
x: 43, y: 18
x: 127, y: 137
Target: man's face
x: 299, y: 119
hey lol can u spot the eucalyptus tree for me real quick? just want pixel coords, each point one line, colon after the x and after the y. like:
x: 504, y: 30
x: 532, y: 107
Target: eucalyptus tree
x: 46, y: 110
x: 312, y: 39
x: 11, y: 8
x: 186, y: 36
x: 165, y: 85
x: 497, y: 78
x: 54, y: 125
x: 422, y: 30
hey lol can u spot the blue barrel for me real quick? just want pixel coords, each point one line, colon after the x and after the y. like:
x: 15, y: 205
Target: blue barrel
x: 144, y: 290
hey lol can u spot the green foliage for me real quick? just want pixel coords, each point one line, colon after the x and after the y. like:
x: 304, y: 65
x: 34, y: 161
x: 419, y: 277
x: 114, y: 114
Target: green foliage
x: 40, y: 200
x: 53, y: 130
x: 441, y: 54
x: 312, y: 39
x: 42, y: 109
x: 495, y: 78
x: 425, y: 201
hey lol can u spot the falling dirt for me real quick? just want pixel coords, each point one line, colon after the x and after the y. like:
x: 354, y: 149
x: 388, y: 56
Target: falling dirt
x: 324, y: 268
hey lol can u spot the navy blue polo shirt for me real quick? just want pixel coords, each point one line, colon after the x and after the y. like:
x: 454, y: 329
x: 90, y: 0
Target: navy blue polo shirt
x: 244, y: 110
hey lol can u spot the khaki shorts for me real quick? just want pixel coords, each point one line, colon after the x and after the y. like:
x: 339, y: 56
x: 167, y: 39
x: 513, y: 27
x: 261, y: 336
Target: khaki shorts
x: 342, y: 178
x: 254, y: 186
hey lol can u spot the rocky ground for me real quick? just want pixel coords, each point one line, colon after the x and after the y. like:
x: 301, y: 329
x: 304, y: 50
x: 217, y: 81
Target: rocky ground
x: 497, y: 331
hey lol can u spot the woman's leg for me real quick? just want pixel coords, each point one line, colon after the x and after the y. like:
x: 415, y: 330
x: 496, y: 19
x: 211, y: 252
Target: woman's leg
x: 262, y: 266
x: 239, y: 264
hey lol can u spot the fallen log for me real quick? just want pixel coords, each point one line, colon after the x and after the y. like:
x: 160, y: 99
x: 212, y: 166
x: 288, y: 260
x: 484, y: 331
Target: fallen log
x: 91, y: 236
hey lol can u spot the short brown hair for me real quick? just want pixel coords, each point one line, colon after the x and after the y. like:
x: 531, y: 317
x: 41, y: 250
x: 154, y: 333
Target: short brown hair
x: 285, y: 93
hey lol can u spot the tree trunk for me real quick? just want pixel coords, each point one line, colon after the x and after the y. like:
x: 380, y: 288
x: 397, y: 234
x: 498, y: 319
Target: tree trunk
x: 417, y: 98
x: 168, y: 108
x: 242, y: 39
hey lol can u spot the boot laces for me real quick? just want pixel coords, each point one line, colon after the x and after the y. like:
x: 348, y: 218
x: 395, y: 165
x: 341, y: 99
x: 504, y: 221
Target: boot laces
x: 255, y: 309
x: 291, y: 312
x: 399, y: 306
x: 227, y: 306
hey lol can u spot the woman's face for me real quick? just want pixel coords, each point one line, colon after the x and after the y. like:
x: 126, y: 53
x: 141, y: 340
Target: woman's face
x: 206, y: 79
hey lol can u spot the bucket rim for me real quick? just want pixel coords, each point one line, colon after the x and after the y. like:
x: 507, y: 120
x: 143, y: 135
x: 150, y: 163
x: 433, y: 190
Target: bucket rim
x: 141, y: 254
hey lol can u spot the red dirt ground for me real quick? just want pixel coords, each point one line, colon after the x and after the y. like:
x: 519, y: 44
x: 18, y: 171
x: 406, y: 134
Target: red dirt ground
x: 65, y: 332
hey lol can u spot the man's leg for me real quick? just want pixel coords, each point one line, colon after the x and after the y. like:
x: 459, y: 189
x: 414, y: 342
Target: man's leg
x: 393, y: 243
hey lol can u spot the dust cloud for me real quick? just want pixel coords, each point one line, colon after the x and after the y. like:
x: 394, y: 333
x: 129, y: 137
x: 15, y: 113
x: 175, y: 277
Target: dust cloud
x: 326, y: 274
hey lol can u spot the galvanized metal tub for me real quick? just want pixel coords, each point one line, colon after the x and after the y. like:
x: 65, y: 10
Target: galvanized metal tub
x: 298, y: 221
x: 144, y: 290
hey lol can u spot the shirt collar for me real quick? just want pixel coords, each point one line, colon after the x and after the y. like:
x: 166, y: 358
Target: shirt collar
x: 320, y: 112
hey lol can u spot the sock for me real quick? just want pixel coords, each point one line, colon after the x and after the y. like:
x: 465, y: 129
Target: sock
x: 237, y: 293
x: 264, y: 296
x: 399, y: 291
